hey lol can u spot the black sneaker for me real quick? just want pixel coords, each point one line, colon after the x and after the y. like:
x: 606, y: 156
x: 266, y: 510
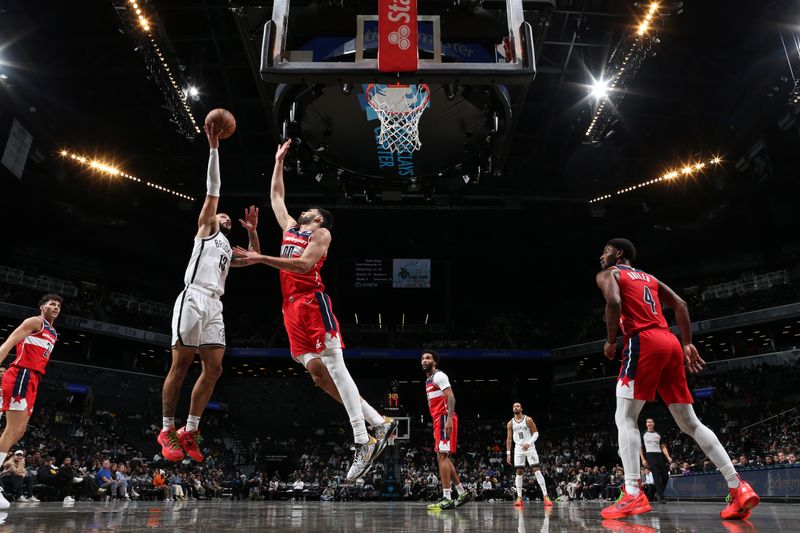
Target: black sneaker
x: 444, y: 503
x: 463, y: 498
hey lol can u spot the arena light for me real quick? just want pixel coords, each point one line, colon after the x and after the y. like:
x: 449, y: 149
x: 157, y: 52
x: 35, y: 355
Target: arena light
x: 143, y: 29
x: 620, y: 70
x: 600, y: 89
x: 103, y: 167
x: 685, y: 171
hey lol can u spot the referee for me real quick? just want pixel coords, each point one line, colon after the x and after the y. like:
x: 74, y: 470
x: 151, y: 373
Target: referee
x: 656, y: 458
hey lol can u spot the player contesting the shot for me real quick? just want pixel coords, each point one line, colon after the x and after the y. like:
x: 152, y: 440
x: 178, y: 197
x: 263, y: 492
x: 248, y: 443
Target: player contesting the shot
x: 653, y: 361
x: 315, y: 340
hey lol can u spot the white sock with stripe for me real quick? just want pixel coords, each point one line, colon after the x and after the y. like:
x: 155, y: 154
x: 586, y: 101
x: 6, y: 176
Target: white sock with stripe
x: 518, y: 484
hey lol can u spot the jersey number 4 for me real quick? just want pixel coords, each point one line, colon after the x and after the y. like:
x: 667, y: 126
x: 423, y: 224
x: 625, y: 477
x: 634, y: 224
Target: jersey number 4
x: 648, y: 298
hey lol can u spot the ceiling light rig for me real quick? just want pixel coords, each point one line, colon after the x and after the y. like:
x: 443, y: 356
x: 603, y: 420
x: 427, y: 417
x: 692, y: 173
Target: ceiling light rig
x: 111, y: 170
x: 152, y: 42
x: 625, y: 61
x: 684, y: 171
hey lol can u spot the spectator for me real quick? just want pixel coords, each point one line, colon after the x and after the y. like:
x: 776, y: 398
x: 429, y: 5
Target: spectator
x: 68, y: 481
x: 161, y: 485
x: 15, y: 480
x: 768, y: 461
x: 685, y: 469
x: 791, y: 459
x: 487, y: 489
x: 781, y: 459
x: 297, y: 489
x: 176, y: 486
x: 327, y: 494
x: 48, y: 475
x: 105, y: 481
x: 648, y: 483
x: 122, y: 482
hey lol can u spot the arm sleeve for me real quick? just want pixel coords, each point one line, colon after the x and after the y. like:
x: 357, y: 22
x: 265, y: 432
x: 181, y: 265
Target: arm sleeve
x: 213, y: 179
x: 441, y: 380
x: 533, y: 437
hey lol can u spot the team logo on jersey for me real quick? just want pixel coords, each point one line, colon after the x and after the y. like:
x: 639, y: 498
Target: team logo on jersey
x: 319, y: 344
x: 18, y: 404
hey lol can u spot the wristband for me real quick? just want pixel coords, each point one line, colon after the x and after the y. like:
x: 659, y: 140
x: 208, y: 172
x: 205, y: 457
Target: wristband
x: 508, y: 452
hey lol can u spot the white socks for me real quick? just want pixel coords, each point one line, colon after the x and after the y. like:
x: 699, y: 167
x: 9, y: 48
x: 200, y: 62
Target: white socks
x: 460, y: 488
x: 448, y: 493
x: 542, y: 485
x: 192, y: 423
x: 333, y: 359
x: 167, y: 423
x: 518, y: 484
x: 687, y: 420
x: 372, y: 416
x: 629, y: 441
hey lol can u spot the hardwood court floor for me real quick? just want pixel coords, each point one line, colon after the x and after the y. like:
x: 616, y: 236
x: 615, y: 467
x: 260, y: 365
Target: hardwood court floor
x: 383, y: 517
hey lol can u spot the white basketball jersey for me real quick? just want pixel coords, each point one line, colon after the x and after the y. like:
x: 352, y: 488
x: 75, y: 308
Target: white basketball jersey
x: 521, y: 430
x: 209, y: 264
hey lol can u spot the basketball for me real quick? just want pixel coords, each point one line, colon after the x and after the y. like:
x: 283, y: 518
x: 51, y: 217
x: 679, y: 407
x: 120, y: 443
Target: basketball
x: 223, y: 120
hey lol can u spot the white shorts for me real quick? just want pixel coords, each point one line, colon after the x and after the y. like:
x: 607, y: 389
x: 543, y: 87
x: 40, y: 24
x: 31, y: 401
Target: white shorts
x: 529, y: 455
x: 197, y: 320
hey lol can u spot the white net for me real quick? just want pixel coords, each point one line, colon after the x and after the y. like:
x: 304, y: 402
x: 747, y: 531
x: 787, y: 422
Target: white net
x: 399, y: 109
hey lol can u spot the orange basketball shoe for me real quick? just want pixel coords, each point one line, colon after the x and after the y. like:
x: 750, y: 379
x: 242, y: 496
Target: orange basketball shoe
x: 190, y: 442
x: 548, y: 502
x: 170, y: 445
x: 740, y: 501
x: 519, y: 503
x: 627, y: 505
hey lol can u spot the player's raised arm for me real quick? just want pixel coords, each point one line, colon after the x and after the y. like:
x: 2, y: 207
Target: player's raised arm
x: 317, y: 247
x: 28, y: 326
x: 277, y: 191
x: 609, y: 286
x: 207, y: 221
x: 693, y: 361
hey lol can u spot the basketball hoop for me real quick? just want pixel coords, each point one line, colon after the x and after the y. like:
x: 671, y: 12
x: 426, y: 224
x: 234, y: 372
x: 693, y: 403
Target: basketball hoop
x: 399, y: 108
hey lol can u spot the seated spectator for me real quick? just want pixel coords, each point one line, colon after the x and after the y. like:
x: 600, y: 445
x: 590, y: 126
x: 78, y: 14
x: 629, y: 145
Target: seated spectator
x: 685, y: 468
x: 768, y: 461
x: 487, y: 489
x: 15, y: 480
x: 792, y: 459
x: 47, y: 474
x: 648, y: 484
x: 122, y: 482
x: 327, y: 494
x: 272, y: 490
x: 105, y: 481
x: 176, y: 486
x: 160, y: 484
x: 297, y: 489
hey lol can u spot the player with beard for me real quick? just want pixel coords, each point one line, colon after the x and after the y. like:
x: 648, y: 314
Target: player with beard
x: 442, y: 405
x: 653, y: 361
x: 34, y: 339
x: 314, y: 337
x: 197, y: 325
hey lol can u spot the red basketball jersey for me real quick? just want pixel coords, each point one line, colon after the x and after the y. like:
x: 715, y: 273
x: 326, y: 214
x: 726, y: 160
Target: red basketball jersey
x: 293, y: 245
x: 33, y: 352
x: 641, y: 307
x: 434, y: 387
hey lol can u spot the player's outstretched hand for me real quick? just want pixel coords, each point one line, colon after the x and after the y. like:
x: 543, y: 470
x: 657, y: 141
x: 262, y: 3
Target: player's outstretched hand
x: 212, y: 132
x: 280, y: 153
x: 250, y: 220
x: 694, y: 363
x: 610, y: 350
x: 244, y: 256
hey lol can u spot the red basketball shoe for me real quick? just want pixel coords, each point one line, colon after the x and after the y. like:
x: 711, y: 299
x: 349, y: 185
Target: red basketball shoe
x: 740, y: 501
x: 627, y: 505
x: 190, y: 442
x: 548, y: 502
x: 170, y: 445
x: 519, y: 503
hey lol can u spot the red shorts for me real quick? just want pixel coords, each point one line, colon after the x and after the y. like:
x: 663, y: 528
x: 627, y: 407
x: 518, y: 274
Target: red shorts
x: 19, y: 389
x: 310, y: 323
x: 652, y: 361
x: 442, y: 442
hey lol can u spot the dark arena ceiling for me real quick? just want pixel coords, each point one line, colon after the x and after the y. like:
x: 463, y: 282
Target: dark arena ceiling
x: 716, y: 81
